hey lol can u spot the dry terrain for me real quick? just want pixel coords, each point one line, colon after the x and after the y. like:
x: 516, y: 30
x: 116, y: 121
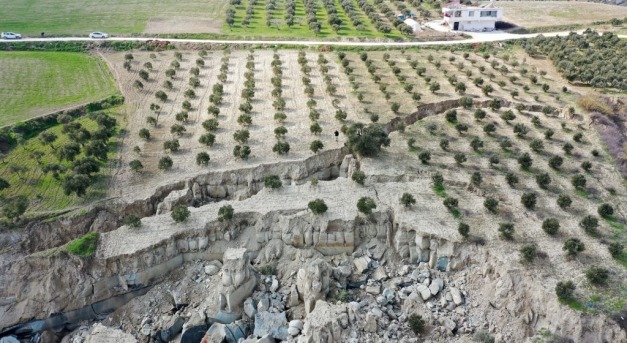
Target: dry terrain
x: 531, y: 14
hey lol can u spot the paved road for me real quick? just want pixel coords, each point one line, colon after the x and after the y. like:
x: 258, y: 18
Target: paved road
x: 476, y: 38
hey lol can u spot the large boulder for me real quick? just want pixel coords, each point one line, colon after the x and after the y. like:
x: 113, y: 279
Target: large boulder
x: 312, y: 282
x: 273, y: 324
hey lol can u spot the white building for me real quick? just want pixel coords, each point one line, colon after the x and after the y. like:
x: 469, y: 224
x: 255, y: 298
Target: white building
x: 413, y: 24
x: 462, y: 18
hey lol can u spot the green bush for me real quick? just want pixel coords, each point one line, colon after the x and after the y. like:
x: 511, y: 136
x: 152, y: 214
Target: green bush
x: 605, y: 210
x: 556, y: 161
x: 597, y: 275
x: 272, y: 181
x: 543, y: 180
x: 463, y: 229
x: 482, y: 336
x: 579, y: 181
x: 506, y: 230
x: 359, y: 177
x: 367, y: 140
x: 451, y: 116
x: 590, y: 224
x: 180, y: 213
x: 424, y: 157
x: 451, y: 203
x: 407, y: 199
x: 366, y: 205
x: 529, y: 200
x: 564, y: 201
x: 84, y: 246
x: 511, y: 179
x: 616, y: 249
x: 476, y: 179
x: 491, y: 204
x: 132, y: 221
x: 551, y: 226
x: 525, y: 161
x: 416, y: 323
x: 317, y: 206
x: 528, y: 253
x: 573, y: 246
x: 460, y: 158
x: 565, y: 289
x: 225, y: 213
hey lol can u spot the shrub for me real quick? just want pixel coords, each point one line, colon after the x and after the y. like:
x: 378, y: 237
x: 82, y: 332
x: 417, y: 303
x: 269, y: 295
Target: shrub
x: 317, y: 206
x: 479, y: 114
x: 136, y: 165
x: 568, y: 148
x: 444, y: 144
x: 84, y: 246
x: 316, y: 146
x: 528, y: 253
x: 605, y: 210
x: 494, y: 160
x: 180, y: 213
x: 359, y: 177
x: 589, y: 224
x: 506, y: 230
x: 272, y: 181
x: 536, y: 145
x: 463, y: 229
x: 565, y: 290
x: 616, y: 249
x: 520, y: 130
x: 564, y: 201
x: 476, y: 144
x: 366, y: 205
x: 548, y: 134
x: 573, y: 246
x: 586, y: 165
x: 132, y: 221
x: 525, y: 161
x: 597, y: 275
x: 451, y: 116
x: 450, y: 203
x: 370, y: 141
x: 407, y: 199
x: 165, y: 163
x: 508, y: 116
x: 461, y: 128
x: 482, y: 336
x: 416, y: 323
x: 543, y: 180
x: 241, y: 136
x: 241, y: 151
x: 476, y: 179
x: 460, y: 158
x: 281, y: 148
x: 202, y: 158
x: 556, y: 161
x: 225, y: 213
x: 491, y: 204
x: 551, y: 226
x: 425, y: 157
x: 511, y: 179
x: 489, y: 128
x: 437, y: 179
x: 207, y: 139
x: 578, y: 137
x: 579, y: 181
x: 529, y: 200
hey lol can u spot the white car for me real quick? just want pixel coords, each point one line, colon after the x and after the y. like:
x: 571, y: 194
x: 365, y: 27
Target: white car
x: 98, y: 35
x: 11, y: 35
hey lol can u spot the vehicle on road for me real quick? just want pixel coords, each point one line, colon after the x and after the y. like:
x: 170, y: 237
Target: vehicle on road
x: 11, y: 35
x: 98, y: 35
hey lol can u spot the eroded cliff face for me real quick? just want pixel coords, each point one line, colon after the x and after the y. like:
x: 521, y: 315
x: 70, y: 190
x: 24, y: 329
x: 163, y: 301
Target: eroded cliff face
x: 396, y: 262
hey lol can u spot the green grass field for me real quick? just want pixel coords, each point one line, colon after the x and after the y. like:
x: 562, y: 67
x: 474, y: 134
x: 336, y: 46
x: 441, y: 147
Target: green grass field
x: 21, y: 168
x: 34, y: 83
x: 116, y: 17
